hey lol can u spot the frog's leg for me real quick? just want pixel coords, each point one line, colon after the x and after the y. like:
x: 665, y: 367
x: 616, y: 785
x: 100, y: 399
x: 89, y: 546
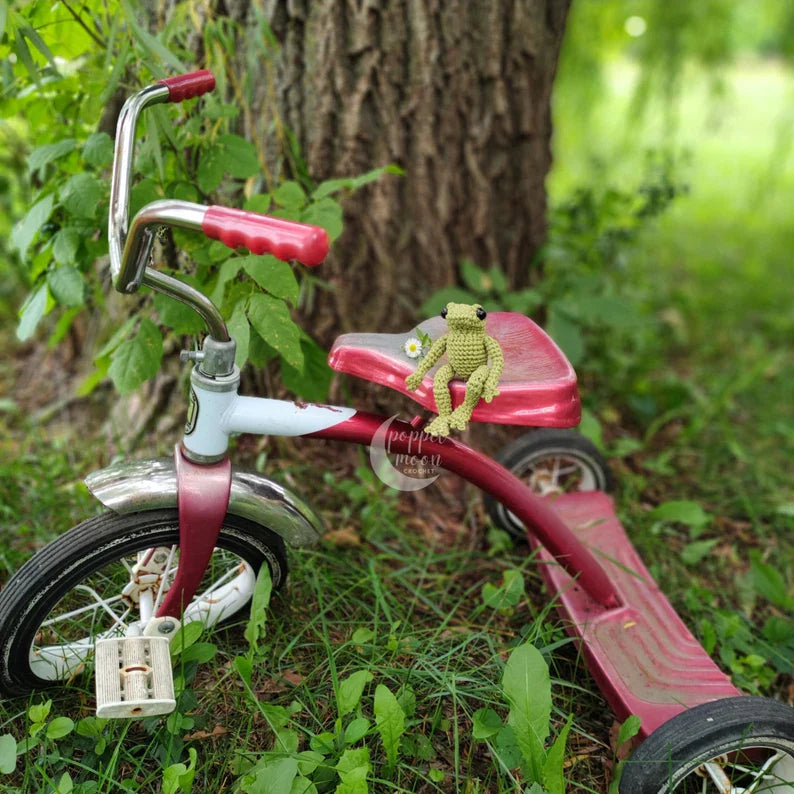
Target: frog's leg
x: 440, y: 425
x: 474, y: 387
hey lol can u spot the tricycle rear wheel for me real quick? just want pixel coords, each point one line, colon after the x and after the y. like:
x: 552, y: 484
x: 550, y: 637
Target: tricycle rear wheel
x: 741, y: 744
x: 550, y: 461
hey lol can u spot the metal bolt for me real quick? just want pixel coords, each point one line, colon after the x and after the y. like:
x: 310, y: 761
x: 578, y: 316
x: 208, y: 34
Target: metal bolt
x: 166, y: 627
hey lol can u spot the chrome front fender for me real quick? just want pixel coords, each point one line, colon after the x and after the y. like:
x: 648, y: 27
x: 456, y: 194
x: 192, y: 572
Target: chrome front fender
x: 133, y: 486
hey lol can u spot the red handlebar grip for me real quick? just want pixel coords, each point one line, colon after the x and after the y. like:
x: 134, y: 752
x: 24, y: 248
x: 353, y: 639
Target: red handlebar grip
x: 187, y: 86
x: 261, y: 234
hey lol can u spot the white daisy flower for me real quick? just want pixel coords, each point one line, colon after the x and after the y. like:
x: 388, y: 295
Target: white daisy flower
x: 413, y: 348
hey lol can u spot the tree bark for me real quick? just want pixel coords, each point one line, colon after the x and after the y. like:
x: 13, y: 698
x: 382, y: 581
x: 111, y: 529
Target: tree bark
x: 457, y: 93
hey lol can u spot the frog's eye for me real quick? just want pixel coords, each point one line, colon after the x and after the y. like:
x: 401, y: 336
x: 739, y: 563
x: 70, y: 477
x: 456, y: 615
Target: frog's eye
x: 444, y: 312
x: 481, y: 313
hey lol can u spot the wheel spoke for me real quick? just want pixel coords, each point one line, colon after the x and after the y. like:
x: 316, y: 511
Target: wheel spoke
x: 75, y: 612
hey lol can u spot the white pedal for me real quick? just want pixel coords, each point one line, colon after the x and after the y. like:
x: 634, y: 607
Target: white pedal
x: 133, y: 677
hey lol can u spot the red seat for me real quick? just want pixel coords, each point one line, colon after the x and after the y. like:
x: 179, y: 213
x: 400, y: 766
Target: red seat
x: 537, y: 386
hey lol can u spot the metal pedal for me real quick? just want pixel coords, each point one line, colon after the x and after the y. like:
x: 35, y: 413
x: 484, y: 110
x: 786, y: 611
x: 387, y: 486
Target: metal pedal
x: 133, y: 677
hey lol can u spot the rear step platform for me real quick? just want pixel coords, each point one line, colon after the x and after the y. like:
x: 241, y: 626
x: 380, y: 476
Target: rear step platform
x: 643, y: 657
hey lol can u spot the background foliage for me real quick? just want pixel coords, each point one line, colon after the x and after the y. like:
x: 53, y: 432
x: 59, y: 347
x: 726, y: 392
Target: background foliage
x: 666, y: 277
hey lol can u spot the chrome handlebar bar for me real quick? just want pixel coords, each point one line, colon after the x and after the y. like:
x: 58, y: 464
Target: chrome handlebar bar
x: 130, y: 242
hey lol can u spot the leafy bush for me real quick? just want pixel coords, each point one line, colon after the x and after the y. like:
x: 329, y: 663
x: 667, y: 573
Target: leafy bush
x: 64, y: 77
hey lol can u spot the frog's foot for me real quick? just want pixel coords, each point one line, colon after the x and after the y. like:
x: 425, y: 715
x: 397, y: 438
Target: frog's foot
x: 459, y: 418
x: 438, y: 427
x: 489, y: 392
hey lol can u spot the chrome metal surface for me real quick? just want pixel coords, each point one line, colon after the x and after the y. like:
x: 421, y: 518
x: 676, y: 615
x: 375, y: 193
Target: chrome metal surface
x: 118, y: 220
x: 143, y: 230
x: 198, y: 301
x: 133, y: 486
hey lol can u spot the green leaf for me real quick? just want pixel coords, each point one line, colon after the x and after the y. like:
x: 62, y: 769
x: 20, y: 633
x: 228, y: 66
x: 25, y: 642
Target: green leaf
x: 523, y: 302
x: 255, y: 629
x: 553, y: 766
x: 357, y: 730
x: 39, y: 712
x: 24, y: 232
x: 179, y: 777
x: 80, y: 195
x: 8, y: 754
x: 210, y: 171
x: 65, y: 784
x: 354, y: 766
x: 239, y: 330
x: 289, y: 195
x: 286, y: 741
x: 271, y: 319
x: 628, y: 730
x: 66, y: 285
x: 769, y: 582
x: 302, y: 785
x: 273, y: 275
x: 239, y: 157
x: 475, y: 278
x: 353, y: 183
x: 567, y: 335
x: 138, y: 359
x: 177, y: 315
x: 485, y: 723
x: 244, y: 667
x: 201, y: 652
x: 153, y: 45
x: 507, y: 749
x: 326, y: 213
x: 186, y: 636
x: 271, y: 776
x: 693, y: 553
x: 226, y: 272
x: 313, y: 382
x: 98, y: 150
x: 59, y: 727
x: 44, y: 155
x: 65, y: 246
x: 390, y: 722
x: 34, y: 308
x: 118, y: 337
x: 349, y: 691
x: 506, y: 596
x: 681, y: 512
x: 527, y: 687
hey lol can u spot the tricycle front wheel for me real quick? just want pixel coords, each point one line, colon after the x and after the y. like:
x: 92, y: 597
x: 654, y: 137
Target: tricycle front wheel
x: 84, y: 586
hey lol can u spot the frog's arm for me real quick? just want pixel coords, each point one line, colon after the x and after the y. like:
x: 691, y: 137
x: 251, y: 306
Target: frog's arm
x: 497, y: 364
x: 433, y: 355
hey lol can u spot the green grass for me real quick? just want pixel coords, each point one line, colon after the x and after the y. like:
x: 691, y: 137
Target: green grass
x: 397, y: 588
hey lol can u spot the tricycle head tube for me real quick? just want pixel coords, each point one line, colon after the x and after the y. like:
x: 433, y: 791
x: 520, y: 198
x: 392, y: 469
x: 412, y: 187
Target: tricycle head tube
x: 217, y: 358
x: 206, y: 438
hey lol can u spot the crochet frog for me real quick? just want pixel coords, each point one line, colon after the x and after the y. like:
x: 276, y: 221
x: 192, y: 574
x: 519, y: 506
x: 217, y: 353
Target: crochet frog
x: 468, y: 350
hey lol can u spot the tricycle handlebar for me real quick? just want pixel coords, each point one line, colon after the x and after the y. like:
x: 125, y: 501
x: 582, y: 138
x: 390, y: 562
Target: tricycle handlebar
x: 131, y: 243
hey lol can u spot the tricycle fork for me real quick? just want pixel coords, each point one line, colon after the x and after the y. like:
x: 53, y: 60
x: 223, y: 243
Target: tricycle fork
x: 203, y: 498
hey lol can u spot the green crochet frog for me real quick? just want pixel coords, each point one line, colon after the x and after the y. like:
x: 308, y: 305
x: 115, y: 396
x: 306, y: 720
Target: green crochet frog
x: 468, y: 350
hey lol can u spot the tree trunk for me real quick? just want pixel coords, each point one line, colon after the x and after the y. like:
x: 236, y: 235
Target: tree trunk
x: 457, y: 93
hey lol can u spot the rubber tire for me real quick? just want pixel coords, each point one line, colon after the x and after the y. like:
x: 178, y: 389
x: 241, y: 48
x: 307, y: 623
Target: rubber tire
x: 516, y: 458
x: 703, y: 733
x: 45, y: 578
